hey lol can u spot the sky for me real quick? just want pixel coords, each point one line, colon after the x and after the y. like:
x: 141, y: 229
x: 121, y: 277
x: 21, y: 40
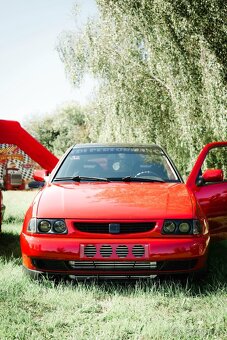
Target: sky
x: 32, y: 77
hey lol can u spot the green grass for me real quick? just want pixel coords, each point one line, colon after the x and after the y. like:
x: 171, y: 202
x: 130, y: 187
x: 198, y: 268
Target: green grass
x: 16, y: 203
x: 157, y: 309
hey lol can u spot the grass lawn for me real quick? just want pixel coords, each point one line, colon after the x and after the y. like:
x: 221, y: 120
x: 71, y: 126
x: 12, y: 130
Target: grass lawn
x: 140, y: 310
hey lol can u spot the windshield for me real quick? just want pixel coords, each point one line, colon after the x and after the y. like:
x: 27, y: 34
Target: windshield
x: 117, y: 163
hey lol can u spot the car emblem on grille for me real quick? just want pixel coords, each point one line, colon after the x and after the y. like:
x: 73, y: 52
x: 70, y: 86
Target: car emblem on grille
x: 114, y: 228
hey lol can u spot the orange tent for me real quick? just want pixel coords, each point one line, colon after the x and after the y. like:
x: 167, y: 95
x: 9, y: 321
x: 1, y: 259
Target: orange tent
x: 11, y: 132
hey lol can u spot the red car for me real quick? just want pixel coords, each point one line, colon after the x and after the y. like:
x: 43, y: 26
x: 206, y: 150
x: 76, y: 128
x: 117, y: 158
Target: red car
x: 123, y: 211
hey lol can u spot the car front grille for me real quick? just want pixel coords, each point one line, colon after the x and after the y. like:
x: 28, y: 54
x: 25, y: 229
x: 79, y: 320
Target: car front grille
x: 112, y: 265
x: 124, y: 228
x: 16, y: 179
x: 106, y: 250
x: 138, y: 250
x: 134, y: 267
x: 90, y: 250
x: 122, y: 251
x: 117, y: 251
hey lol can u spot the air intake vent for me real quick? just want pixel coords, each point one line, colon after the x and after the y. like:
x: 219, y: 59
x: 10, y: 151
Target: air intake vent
x: 115, y: 251
x: 106, y: 250
x: 122, y: 251
x: 90, y: 250
x: 138, y: 250
x: 113, y: 265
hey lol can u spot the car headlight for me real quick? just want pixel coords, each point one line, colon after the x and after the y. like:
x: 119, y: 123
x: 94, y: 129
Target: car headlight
x: 182, y: 227
x: 44, y: 226
x: 47, y: 226
x: 169, y: 227
x: 59, y: 226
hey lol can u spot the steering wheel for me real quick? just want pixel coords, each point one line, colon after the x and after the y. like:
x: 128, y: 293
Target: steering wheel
x: 147, y: 173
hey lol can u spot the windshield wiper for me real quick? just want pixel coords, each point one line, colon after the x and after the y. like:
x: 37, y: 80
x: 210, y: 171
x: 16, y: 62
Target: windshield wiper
x: 80, y: 178
x: 142, y: 179
x: 103, y: 179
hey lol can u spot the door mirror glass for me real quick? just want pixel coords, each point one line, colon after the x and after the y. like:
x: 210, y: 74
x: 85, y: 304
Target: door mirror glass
x: 213, y: 175
x: 40, y: 175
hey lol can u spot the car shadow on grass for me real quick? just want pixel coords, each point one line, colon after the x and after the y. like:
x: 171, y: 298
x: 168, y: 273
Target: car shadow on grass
x: 217, y: 261
x: 10, y: 246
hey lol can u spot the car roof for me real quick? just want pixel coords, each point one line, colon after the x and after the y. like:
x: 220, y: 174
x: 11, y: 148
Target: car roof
x: 117, y: 145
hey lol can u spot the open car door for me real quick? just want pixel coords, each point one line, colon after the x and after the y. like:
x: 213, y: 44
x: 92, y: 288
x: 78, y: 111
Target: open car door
x: 208, y: 181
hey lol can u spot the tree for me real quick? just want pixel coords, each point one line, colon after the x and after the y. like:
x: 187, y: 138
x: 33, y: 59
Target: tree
x: 61, y: 129
x: 161, y: 67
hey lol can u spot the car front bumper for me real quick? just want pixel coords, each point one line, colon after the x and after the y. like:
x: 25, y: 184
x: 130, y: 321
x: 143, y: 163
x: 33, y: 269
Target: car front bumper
x: 113, y: 258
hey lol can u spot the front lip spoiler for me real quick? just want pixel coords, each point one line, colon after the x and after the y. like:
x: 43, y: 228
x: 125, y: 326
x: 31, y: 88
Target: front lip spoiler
x: 37, y: 274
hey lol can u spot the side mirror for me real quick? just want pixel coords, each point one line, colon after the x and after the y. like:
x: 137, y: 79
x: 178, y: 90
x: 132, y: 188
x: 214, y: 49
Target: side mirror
x: 40, y: 175
x: 213, y: 175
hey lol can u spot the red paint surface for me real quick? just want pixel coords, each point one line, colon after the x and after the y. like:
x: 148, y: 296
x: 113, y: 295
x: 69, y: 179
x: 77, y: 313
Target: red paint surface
x: 212, y: 197
x: 115, y: 201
